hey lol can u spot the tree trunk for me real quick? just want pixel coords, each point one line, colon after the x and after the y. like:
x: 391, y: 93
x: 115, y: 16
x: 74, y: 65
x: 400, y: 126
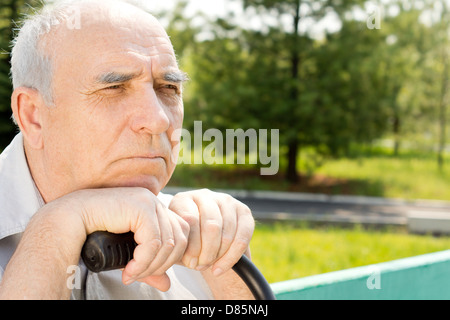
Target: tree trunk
x: 293, y: 143
x: 292, y: 174
x: 396, y: 131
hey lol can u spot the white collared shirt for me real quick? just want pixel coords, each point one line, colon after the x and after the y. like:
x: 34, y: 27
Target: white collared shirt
x: 20, y: 200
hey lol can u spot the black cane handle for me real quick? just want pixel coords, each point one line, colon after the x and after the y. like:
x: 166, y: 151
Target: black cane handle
x: 105, y: 251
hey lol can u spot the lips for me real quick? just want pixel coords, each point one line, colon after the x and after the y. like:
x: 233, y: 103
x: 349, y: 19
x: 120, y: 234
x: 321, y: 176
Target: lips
x: 146, y: 157
x: 162, y: 151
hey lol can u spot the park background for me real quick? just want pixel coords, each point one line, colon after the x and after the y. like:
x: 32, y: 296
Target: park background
x: 359, y: 91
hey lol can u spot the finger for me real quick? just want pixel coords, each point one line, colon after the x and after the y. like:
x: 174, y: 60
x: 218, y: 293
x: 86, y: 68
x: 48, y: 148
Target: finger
x: 147, y: 235
x: 186, y: 208
x: 229, y: 221
x: 210, y: 232
x: 161, y: 282
x: 180, y: 232
x: 167, y: 243
x: 143, y: 254
x: 240, y: 244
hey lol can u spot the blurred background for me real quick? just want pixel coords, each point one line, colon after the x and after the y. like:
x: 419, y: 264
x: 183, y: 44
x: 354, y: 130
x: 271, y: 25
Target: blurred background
x: 359, y: 91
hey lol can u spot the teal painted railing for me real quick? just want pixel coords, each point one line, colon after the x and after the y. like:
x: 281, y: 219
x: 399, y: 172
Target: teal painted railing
x: 421, y: 277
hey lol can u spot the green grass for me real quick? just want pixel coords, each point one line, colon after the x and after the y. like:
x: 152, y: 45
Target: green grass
x: 285, y: 251
x: 408, y: 178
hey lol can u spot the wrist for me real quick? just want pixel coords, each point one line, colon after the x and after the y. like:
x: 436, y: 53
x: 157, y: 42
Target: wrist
x: 50, y: 244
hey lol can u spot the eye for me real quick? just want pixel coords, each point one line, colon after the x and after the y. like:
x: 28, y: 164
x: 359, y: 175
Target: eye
x: 172, y: 87
x: 115, y: 87
x: 169, y: 94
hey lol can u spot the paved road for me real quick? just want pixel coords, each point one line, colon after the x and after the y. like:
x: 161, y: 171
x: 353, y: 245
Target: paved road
x: 352, y: 212
x: 323, y: 208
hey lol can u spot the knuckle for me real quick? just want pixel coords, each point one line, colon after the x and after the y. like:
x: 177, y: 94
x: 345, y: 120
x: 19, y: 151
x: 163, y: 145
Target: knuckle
x: 228, y: 198
x: 185, y: 227
x: 245, y: 209
x: 226, y: 241
x: 179, y: 197
x: 191, y: 219
x: 212, y: 226
x: 252, y: 222
x: 247, y: 216
x: 200, y: 193
x: 169, y: 243
x: 155, y: 244
x: 241, y: 244
x: 182, y: 242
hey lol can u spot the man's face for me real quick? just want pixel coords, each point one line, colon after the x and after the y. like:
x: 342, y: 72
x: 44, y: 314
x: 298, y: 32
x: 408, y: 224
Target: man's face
x: 117, y: 95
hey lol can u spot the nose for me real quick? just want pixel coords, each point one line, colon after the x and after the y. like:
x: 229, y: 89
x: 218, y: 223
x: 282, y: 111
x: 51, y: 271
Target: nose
x: 149, y: 114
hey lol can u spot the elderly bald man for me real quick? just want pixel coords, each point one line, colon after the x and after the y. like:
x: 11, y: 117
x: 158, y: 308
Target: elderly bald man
x: 97, y: 106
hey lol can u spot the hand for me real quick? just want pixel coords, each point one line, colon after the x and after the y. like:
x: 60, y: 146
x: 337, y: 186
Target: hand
x: 55, y: 235
x: 161, y: 235
x: 221, y: 228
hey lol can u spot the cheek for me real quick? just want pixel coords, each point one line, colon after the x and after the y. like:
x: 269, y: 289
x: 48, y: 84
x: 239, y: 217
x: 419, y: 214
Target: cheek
x: 70, y: 137
x: 175, y: 132
x: 176, y: 118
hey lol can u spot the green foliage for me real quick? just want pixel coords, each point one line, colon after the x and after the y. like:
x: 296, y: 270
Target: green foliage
x: 6, y: 126
x: 355, y: 85
x: 10, y: 15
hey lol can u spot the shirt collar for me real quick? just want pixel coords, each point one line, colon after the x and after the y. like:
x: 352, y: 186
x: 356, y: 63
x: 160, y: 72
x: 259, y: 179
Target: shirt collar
x: 19, y: 196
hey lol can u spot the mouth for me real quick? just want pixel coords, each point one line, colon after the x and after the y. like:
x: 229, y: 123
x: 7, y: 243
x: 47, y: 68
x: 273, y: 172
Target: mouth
x: 146, y: 157
x: 144, y: 160
x: 149, y: 156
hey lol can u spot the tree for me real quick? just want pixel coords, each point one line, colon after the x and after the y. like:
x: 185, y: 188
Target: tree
x: 318, y: 93
x: 442, y: 45
x: 10, y: 13
x: 297, y: 45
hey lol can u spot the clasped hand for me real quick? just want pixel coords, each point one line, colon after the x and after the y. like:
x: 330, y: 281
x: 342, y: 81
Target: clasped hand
x: 200, y: 229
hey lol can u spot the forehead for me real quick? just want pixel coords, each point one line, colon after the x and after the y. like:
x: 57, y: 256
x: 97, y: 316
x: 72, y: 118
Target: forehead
x: 123, y: 39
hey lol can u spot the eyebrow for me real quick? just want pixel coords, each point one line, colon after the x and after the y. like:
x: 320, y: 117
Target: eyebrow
x: 116, y: 77
x: 175, y: 76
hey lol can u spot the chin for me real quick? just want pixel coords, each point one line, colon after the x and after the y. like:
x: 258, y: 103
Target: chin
x: 152, y: 175
x: 152, y: 183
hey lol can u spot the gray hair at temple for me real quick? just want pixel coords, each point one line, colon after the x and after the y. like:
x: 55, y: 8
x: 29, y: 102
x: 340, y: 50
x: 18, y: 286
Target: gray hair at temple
x: 31, y: 64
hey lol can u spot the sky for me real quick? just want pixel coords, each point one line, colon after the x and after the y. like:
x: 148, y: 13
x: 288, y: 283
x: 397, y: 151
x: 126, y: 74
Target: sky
x: 209, y: 7
x: 218, y: 8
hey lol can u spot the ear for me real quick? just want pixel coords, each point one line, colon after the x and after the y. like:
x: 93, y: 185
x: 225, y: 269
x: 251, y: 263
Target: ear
x: 27, y: 106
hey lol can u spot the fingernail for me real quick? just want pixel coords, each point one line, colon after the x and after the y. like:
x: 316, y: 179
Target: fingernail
x: 217, y: 272
x: 193, y: 263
